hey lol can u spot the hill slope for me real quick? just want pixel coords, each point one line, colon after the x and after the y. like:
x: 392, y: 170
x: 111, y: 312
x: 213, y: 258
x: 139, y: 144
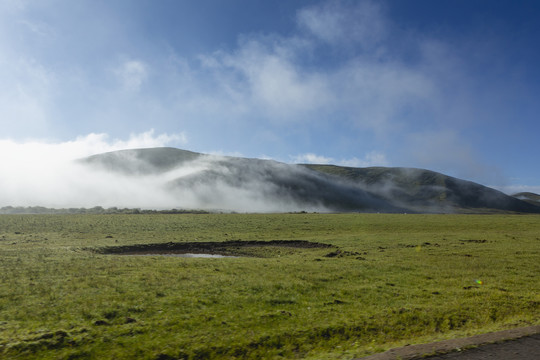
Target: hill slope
x: 428, y: 191
x: 529, y: 197
x: 242, y: 184
x: 142, y: 161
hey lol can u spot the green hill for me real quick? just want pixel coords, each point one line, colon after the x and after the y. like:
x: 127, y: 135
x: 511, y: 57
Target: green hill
x: 529, y: 197
x: 218, y: 181
x: 427, y: 191
x: 142, y: 161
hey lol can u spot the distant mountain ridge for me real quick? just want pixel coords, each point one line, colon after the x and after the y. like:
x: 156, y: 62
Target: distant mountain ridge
x: 218, y: 181
x: 529, y: 197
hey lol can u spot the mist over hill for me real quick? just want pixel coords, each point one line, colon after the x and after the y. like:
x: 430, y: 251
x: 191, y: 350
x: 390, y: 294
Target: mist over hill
x: 198, y: 181
x: 238, y: 184
x: 428, y: 191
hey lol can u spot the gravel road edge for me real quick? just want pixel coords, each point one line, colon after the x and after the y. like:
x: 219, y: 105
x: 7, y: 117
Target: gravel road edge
x: 420, y: 351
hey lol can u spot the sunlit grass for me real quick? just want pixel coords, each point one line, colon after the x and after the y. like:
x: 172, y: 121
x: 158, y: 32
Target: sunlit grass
x: 396, y: 279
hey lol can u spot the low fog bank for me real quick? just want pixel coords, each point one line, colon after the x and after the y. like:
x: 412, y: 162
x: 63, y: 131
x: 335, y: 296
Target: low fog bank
x: 163, y: 178
x: 197, y: 181
x: 430, y: 192
x: 70, y: 184
x: 43, y: 174
x: 272, y: 186
x: 168, y: 178
x: 425, y: 191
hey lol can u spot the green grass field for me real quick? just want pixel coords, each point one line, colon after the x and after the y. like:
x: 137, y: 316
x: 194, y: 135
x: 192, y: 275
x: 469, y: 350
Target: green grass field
x: 390, y: 280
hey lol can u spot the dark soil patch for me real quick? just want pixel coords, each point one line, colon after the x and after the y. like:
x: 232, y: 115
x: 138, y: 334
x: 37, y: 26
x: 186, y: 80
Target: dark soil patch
x: 225, y: 248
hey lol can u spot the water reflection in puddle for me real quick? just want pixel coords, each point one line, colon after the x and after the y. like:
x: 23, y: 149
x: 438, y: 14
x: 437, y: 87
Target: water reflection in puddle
x: 188, y: 255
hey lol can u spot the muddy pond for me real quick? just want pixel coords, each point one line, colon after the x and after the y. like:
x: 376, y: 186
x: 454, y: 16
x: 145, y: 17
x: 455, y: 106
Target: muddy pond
x: 210, y: 250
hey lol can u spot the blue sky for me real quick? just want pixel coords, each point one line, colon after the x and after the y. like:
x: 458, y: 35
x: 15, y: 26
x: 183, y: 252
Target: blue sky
x: 450, y: 86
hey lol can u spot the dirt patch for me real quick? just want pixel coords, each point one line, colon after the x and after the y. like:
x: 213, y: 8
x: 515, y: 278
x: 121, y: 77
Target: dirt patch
x: 224, y: 248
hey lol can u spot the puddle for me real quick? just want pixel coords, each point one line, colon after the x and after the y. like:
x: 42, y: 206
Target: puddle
x: 224, y: 249
x: 187, y: 255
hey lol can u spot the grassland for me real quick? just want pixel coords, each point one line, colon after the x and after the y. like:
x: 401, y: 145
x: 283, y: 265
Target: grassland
x: 389, y: 280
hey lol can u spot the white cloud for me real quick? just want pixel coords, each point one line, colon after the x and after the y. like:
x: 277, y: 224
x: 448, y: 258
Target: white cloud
x: 132, y: 74
x: 277, y: 80
x: 281, y: 81
x: 337, y: 70
x: 13, y: 153
x: 263, y: 73
x: 373, y: 158
x: 335, y: 22
x: 311, y: 158
x: 43, y: 173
